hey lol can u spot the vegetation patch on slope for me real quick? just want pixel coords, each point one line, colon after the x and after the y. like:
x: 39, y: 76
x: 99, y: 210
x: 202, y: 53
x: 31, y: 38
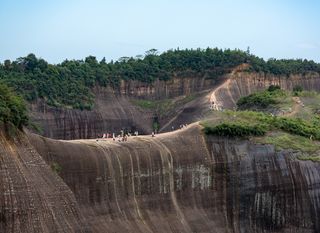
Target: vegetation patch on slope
x: 162, y: 107
x: 297, y: 130
x: 238, y: 129
x: 284, y: 140
x: 262, y: 101
x: 247, y: 121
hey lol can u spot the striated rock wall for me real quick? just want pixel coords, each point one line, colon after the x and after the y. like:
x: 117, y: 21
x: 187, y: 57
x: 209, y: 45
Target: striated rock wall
x: 33, y: 199
x: 180, y: 84
x: 244, y: 83
x: 113, y: 109
x: 185, y: 182
x: 233, y: 86
x: 111, y: 113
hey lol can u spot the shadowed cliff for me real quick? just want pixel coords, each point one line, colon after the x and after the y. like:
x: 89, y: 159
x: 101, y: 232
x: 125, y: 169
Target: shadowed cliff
x: 185, y: 182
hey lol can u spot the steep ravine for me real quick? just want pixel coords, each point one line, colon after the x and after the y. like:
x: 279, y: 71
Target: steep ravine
x: 184, y: 181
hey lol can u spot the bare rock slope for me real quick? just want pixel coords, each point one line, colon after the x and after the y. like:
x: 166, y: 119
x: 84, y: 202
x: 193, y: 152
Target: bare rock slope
x: 185, y: 182
x: 32, y: 197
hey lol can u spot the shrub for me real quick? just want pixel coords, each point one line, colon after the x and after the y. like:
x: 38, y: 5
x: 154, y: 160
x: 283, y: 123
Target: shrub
x: 297, y: 88
x: 56, y: 167
x: 274, y: 88
x: 261, y: 99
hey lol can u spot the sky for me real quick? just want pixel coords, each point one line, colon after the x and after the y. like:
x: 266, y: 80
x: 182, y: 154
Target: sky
x: 74, y: 29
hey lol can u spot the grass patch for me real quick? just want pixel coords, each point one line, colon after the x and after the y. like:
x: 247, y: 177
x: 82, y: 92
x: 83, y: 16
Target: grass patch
x: 146, y: 104
x: 245, y: 120
x: 283, y: 140
x: 158, y: 106
x: 161, y: 107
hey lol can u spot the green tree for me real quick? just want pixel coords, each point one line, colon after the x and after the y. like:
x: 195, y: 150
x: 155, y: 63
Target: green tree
x: 12, y: 108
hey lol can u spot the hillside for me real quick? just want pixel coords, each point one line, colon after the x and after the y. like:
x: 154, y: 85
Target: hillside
x: 86, y: 98
x: 260, y: 176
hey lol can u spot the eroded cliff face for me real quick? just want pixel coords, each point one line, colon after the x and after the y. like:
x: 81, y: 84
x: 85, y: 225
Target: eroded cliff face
x: 111, y: 113
x: 233, y: 86
x: 32, y: 197
x: 181, y: 84
x: 186, y: 182
x: 244, y: 83
x: 113, y: 108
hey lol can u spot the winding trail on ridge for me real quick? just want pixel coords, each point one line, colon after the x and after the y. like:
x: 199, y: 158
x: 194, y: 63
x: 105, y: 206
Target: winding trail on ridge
x: 216, y: 98
x: 213, y: 96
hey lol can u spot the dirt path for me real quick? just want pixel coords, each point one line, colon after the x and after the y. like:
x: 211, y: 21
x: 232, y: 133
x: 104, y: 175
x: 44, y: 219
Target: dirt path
x: 160, y: 135
x: 217, y: 105
x: 297, y: 105
x: 213, y: 100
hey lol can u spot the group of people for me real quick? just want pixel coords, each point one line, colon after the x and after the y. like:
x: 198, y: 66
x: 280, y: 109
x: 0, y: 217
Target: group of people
x: 122, y: 137
x: 182, y: 126
x: 214, y: 106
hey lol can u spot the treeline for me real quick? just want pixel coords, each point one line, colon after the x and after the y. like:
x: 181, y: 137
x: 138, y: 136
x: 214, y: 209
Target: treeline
x: 69, y: 84
x: 283, y: 66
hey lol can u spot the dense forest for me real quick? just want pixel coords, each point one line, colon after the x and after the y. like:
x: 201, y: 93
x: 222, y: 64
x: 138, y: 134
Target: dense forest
x: 69, y: 84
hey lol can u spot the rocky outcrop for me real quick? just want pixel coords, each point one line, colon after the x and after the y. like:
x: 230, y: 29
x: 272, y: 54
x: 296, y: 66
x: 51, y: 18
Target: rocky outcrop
x: 186, y: 182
